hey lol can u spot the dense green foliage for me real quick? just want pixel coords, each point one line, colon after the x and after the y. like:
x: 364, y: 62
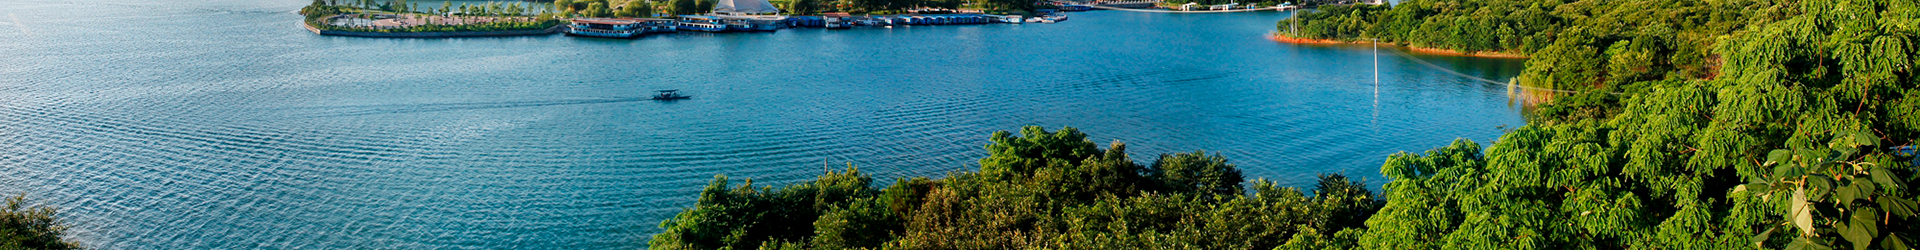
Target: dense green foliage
x: 1039, y: 189
x: 23, y: 227
x: 1740, y: 124
x: 636, y: 8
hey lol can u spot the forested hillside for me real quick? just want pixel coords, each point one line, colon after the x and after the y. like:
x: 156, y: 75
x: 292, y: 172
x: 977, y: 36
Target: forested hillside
x: 1742, y: 124
x: 1611, y: 45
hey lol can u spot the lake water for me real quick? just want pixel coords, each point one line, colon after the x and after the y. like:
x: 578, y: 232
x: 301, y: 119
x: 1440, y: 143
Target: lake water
x: 222, y: 124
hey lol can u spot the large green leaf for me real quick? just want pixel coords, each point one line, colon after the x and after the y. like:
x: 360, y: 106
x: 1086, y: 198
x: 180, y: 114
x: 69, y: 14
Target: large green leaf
x: 1846, y: 194
x: 1779, y: 156
x: 1818, y: 186
x: 1865, y: 138
x: 1804, y: 243
x: 1785, y: 170
x: 1897, y: 206
x: 1861, y: 227
x: 1802, y: 214
x: 1894, y: 242
x: 1883, y: 177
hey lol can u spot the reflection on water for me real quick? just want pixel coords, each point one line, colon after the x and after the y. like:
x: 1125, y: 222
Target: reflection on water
x: 222, y: 124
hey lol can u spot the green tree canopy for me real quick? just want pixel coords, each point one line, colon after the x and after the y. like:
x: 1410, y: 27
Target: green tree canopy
x: 1038, y: 190
x: 31, y: 227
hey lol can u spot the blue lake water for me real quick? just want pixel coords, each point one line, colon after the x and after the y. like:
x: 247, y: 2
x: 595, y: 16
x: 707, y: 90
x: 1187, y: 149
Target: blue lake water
x: 222, y: 124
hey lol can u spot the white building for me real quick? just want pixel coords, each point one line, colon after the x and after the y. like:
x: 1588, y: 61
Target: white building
x: 744, y: 7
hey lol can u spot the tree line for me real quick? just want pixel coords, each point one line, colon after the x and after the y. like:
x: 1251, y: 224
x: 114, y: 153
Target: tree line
x: 1574, y: 44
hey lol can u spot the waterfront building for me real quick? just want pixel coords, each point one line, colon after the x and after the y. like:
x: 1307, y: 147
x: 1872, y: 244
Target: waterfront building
x: 748, y: 15
x: 744, y: 7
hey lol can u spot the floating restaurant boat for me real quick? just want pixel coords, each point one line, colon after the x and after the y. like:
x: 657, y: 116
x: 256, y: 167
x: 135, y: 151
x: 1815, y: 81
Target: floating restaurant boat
x: 806, y: 21
x: 670, y: 94
x: 701, y: 23
x: 1013, y: 19
x: 883, y: 21
x: 752, y: 23
x: 618, y: 27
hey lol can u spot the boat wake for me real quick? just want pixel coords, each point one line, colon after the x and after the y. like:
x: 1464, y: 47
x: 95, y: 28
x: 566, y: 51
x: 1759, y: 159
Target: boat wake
x: 391, y: 109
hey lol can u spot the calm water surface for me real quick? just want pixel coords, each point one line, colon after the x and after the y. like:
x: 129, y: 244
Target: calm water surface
x: 221, y: 124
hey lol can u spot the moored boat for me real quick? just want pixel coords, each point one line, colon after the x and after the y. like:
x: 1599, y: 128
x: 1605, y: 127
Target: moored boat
x: 604, y: 27
x: 838, y: 20
x: 752, y: 22
x: 701, y: 23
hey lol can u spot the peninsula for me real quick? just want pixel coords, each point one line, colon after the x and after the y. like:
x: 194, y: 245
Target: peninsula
x: 402, y: 20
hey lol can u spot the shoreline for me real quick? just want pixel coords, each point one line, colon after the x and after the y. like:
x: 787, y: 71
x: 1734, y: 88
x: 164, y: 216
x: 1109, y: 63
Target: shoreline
x: 1417, y: 50
x: 435, y: 34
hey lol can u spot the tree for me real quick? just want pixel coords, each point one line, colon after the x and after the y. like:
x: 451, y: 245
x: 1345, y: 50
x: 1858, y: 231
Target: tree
x: 597, y: 9
x: 804, y: 7
x: 703, y: 6
x: 637, y: 8
x: 31, y: 227
x: 684, y: 7
x: 1196, y: 172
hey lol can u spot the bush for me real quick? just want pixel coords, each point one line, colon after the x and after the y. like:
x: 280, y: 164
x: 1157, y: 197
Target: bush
x: 35, y: 227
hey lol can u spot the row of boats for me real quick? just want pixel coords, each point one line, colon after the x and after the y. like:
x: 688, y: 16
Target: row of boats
x: 636, y: 27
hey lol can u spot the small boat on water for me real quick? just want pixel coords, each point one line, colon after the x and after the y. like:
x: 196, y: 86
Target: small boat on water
x: 670, y: 94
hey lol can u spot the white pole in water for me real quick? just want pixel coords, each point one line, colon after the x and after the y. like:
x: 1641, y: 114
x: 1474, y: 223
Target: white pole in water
x: 1295, y: 26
